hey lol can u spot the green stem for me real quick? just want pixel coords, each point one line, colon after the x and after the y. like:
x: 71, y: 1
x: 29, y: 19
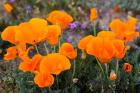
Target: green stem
x: 94, y: 28
x: 54, y: 49
x: 46, y: 48
x: 36, y: 49
x: 106, y: 67
x: 100, y: 66
x: 57, y: 82
x: 117, y: 66
x: 74, y: 67
x: 50, y: 91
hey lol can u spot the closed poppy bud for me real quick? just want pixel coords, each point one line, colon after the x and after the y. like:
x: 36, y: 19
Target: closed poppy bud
x: 93, y: 14
x: 68, y: 50
x: 8, y: 7
x: 127, y: 67
x: 75, y: 80
x: 113, y: 76
x: 83, y: 56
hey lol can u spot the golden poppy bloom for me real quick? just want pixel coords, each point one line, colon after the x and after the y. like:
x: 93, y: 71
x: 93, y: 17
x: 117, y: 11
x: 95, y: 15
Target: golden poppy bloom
x: 107, y: 35
x: 32, y: 32
x: 54, y: 63
x: 127, y: 67
x: 61, y: 18
x: 12, y: 53
x: 8, y: 7
x: 84, y: 41
x: 120, y: 49
x: 93, y: 14
x: 101, y: 48
x: 53, y: 33
x: 31, y: 65
x: 113, y: 76
x: 43, y: 80
x: 68, y: 50
x: 124, y: 30
x: 9, y: 34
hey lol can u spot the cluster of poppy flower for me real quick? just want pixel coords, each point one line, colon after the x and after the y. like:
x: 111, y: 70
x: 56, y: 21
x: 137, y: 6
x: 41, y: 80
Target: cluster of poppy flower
x: 33, y: 32
x: 108, y: 45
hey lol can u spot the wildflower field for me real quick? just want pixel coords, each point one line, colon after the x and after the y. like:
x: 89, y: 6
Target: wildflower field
x: 69, y: 46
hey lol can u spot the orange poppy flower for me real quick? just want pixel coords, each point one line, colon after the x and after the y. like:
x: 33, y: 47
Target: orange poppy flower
x: 124, y: 30
x: 8, y: 7
x: 120, y: 49
x: 9, y: 34
x: 61, y: 18
x: 54, y: 31
x: 12, y: 53
x: 106, y: 35
x: 68, y: 50
x: 93, y: 14
x: 43, y: 80
x: 30, y: 33
x: 84, y: 41
x: 54, y: 63
x: 127, y: 67
x: 113, y: 76
x: 101, y: 48
x: 31, y: 65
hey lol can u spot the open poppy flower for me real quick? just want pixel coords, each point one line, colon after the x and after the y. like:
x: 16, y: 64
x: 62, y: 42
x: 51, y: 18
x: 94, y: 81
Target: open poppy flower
x: 12, y: 53
x: 61, y: 18
x: 101, y: 48
x: 54, y: 63
x: 120, y: 49
x: 32, y: 32
x: 31, y: 65
x: 8, y: 7
x: 84, y: 41
x: 124, y: 30
x: 9, y: 34
x: 127, y: 67
x: 43, y: 80
x: 68, y: 50
x: 93, y: 14
x: 107, y: 35
x: 54, y: 31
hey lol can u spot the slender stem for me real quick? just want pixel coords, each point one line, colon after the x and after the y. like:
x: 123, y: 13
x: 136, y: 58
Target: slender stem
x: 57, y: 82
x: 74, y: 67
x: 36, y: 49
x: 100, y: 66
x: 53, y: 49
x: 117, y: 66
x: 94, y: 28
x: 46, y: 48
x: 59, y: 43
x: 106, y: 67
x: 50, y: 91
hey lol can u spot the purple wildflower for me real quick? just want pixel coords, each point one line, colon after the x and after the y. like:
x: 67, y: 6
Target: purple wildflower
x: 12, y: 1
x: 69, y: 39
x: 73, y: 25
x: 83, y: 25
x: 28, y: 8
